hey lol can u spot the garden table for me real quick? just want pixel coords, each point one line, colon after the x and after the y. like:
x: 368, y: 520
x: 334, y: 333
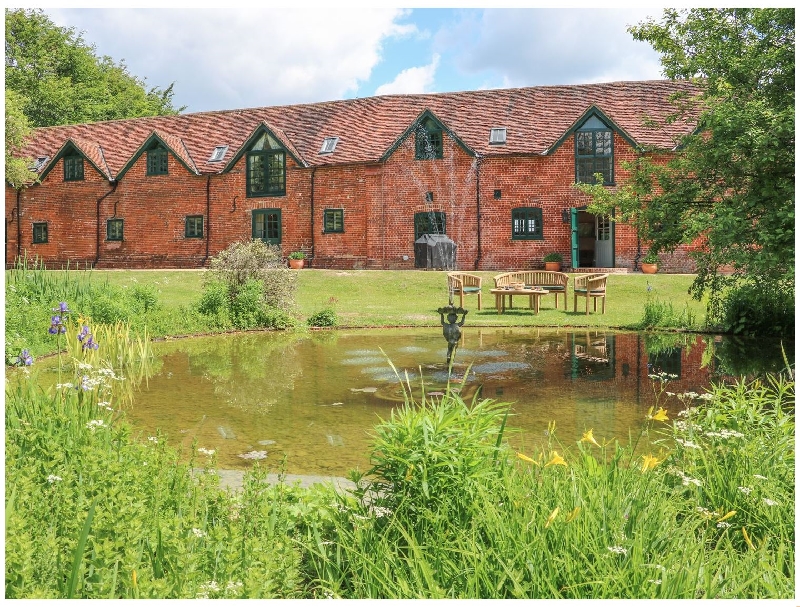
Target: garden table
x: 500, y: 294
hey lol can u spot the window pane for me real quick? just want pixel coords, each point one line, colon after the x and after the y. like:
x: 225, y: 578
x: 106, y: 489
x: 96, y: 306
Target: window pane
x: 603, y: 143
x: 276, y: 172
x: 256, y: 172
x: 583, y: 143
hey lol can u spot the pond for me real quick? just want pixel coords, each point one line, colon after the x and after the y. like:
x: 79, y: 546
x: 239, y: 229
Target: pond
x: 315, y: 398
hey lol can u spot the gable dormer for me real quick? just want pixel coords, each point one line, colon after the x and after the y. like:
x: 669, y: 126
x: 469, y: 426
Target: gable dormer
x: 593, y: 135
x: 265, y: 162
x: 428, y: 134
x: 75, y: 153
x: 159, y: 150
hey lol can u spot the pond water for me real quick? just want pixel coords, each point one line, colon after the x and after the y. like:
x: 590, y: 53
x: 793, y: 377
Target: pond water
x: 315, y: 398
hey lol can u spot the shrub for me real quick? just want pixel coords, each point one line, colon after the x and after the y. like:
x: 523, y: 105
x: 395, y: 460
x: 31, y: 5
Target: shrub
x: 214, y: 299
x: 759, y: 308
x: 255, y: 260
x: 110, y: 307
x: 553, y: 257
x: 323, y: 318
x: 246, y: 305
x: 145, y: 297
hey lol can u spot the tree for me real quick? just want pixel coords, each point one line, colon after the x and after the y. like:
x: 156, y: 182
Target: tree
x: 62, y: 81
x: 18, y: 169
x: 729, y: 191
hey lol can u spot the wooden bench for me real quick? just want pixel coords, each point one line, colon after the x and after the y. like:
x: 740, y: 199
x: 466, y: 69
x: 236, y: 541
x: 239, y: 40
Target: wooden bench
x: 552, y: 282
x: 459, y: 283
x: 590, y: 285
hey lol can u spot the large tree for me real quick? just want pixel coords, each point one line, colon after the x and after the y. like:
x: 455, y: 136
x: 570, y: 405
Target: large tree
x: 729, y: 190
x: 18, y: 169
x: 62, y: 81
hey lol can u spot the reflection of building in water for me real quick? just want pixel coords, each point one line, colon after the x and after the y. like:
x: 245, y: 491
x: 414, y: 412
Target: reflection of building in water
x: 594, y: 378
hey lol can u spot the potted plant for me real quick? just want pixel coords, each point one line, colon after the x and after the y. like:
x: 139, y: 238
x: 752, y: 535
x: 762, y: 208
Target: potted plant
x: 552, y: 262
x: 650, y: 262
x: 297, y: 260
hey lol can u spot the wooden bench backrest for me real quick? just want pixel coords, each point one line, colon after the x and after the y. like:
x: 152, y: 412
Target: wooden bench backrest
x: 532, y: 277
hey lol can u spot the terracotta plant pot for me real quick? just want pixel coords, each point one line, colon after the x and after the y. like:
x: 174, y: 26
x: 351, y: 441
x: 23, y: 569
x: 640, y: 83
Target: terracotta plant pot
x: 649, y: 268
x: 297, y: 264
x: 552, y: 266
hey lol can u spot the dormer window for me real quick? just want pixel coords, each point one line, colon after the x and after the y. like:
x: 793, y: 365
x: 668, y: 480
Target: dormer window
x: 497, y: 136
x: 594, y: 152
x: 157, y: 161
x: 329, y: 145
x: 40, y: 162
x: 266, y: 168
x: 428, y: 144
x: 73, y: 168
x: 218, y: 154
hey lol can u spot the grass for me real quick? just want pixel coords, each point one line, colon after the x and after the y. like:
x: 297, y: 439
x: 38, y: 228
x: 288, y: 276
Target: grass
x: 447, y: 510
x: 378, y: 298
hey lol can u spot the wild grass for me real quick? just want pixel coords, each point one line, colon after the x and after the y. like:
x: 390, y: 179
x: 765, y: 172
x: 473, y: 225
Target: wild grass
x: 572, y: 521
x: 447, y: 510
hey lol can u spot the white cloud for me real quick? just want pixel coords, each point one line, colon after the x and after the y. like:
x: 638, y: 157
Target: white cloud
x: 412, y: 80
x: 228, y: 58
x: 552, y: 46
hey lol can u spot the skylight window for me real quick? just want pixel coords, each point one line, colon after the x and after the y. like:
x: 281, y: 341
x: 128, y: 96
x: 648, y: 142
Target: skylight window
x: 218, y: 153
x: 40, y: 162
x: 329, y: 145
x: 497, y: 136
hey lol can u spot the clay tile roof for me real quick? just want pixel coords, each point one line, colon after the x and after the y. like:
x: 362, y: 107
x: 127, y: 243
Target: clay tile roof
x: 536, y: 118
x: 178, y: 148
x: 94, y: 153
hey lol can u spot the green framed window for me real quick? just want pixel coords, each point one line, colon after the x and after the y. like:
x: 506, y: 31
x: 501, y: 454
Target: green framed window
x: 429, y: 222
x: 333, y: 221
x: 267, y: 225
x: 594, y: 152
x: 194, y: 226
x: 157, y: 161
x: 40, y: 233
x: 428, y: 142
x: 266, y: 173
x: 526, y: 223
x: 114, y: 229
x: 73, y: 168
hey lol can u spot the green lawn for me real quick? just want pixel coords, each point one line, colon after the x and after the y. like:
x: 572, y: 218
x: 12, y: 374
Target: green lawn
x: 372, y: 298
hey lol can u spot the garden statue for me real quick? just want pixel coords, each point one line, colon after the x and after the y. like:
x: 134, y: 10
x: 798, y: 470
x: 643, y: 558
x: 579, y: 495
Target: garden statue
x: 451, y: 329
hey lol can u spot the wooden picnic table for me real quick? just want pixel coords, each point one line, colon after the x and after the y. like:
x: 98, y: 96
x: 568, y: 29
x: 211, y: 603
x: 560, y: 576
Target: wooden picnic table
x: 500, y: 294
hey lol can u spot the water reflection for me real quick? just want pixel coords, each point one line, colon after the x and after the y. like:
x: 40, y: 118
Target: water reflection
x: 315, y: 398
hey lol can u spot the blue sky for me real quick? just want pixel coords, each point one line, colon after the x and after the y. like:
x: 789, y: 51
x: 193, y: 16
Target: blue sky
x: 249, y: 57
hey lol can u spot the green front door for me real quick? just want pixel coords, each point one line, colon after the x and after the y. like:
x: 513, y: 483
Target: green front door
x: 575, y: 242
x: 267, y: 225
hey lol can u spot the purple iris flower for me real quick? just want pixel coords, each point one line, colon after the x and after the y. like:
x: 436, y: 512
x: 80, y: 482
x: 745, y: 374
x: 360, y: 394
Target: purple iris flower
x: 62, y: 308
x: 25, y: 359
x: 90, y: 343
x: 84, y: 332
x: 56, y: 326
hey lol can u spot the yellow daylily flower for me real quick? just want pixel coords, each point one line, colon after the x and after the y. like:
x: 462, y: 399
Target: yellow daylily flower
x: 747, y: 539
x: 727, y: 516
x: 588, y: 437
x: 525, y: 458
x: 649, y: 462
x: 556, y: 459
x: 659, y: 416
x: 572, y: 515
x: 552, y: 517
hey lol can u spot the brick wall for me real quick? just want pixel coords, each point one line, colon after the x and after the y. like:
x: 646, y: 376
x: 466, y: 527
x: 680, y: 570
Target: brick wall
x: 379, y: 202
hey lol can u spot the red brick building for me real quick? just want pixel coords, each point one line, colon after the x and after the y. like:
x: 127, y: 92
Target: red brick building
x: 352, y: 183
